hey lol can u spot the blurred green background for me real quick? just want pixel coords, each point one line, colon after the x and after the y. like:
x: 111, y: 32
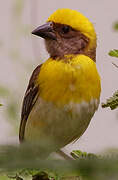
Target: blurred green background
x: 20, y: 53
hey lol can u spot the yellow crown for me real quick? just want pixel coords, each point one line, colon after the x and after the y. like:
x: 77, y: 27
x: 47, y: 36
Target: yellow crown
x: 76, y: 20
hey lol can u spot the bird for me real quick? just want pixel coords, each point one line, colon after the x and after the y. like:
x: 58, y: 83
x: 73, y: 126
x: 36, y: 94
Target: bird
x: 63, y: 92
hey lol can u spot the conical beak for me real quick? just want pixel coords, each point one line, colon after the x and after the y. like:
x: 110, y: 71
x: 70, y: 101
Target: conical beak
x: 45, y: 31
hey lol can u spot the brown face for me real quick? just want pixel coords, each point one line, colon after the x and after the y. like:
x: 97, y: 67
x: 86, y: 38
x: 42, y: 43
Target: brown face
x: 68, y: 41
x: 62, y: 40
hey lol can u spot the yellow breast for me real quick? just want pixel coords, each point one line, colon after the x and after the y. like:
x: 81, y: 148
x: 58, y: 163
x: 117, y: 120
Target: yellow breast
x: 72, y: 79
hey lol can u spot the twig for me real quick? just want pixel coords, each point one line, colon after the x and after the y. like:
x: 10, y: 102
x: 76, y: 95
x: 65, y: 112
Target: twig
x: 115, y: 64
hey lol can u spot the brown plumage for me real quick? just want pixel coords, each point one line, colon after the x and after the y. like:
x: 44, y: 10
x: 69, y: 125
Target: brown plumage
x: 60, y: 40
x: 29, y: 101
x: 68, y: 41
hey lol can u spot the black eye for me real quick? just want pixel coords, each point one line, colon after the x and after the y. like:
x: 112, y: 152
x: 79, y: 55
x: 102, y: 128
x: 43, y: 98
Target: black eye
x: 65, y: 29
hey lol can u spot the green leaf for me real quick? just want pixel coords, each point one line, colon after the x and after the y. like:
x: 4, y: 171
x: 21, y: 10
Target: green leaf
x: 116, y: 26
x: 1, y: 105
x: 23, y: 162
x: 12, y: 110
x: 111, y: 102
x: 4, y: 91
x: 113, y: 53
x: 77, y: 154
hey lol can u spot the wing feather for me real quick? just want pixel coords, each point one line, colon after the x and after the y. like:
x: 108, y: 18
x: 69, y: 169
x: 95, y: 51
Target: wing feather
x: 30, y: 98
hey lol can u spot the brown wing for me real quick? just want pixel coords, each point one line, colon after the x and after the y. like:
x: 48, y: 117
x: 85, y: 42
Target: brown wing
x: 29, y: 101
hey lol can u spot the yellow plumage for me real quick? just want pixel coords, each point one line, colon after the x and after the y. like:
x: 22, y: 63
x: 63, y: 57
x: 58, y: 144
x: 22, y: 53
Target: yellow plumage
x: 68, y: 98
x: 68, y: 87
x: 74, y: 78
